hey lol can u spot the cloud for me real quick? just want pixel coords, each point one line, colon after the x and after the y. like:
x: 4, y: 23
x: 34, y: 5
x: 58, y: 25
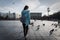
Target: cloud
x: 55, y: 7
x: 34, y: 6
x: 48, y: 2
x: 19, y: 5
x: 7, y: 9
x: 42, y: 9
x: 31, y: 3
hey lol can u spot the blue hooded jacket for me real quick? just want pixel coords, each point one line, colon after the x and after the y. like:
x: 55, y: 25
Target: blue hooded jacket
x: 25, y: 17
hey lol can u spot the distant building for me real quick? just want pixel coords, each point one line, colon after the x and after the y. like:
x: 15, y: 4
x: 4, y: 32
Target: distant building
x: 11, y: 15
x: 35, y: 15
x: 3, y: 14
x: 8, y: 15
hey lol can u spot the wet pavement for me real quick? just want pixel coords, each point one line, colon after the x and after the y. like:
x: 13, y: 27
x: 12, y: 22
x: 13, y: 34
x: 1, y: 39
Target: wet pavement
x: 13, y: 30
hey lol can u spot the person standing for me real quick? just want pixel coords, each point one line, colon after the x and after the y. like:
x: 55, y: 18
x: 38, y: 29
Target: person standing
x: 25, y: 19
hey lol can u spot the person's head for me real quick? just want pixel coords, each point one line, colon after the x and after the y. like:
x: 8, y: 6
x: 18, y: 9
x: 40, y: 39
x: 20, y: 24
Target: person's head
x: 26, y: 7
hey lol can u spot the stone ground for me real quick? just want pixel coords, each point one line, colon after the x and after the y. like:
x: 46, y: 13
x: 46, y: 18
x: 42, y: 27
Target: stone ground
x: 13, y: 30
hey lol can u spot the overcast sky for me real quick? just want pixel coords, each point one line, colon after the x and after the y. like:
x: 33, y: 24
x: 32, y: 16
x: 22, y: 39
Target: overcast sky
x: 34, y: 5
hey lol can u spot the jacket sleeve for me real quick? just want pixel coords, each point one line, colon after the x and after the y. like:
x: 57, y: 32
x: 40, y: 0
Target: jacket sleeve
x: 29, y: 16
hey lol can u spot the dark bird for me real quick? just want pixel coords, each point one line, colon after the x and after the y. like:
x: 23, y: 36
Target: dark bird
x: 43, y: 24
x: 37, y: 27
x: 51, y: 31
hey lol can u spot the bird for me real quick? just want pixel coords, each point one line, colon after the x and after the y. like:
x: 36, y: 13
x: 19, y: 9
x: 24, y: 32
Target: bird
x: 43, y: 24
x: 37, y: 27
x: 51, y: 31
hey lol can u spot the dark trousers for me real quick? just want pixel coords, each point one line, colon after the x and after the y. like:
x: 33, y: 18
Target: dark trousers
x: 25, y: 29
